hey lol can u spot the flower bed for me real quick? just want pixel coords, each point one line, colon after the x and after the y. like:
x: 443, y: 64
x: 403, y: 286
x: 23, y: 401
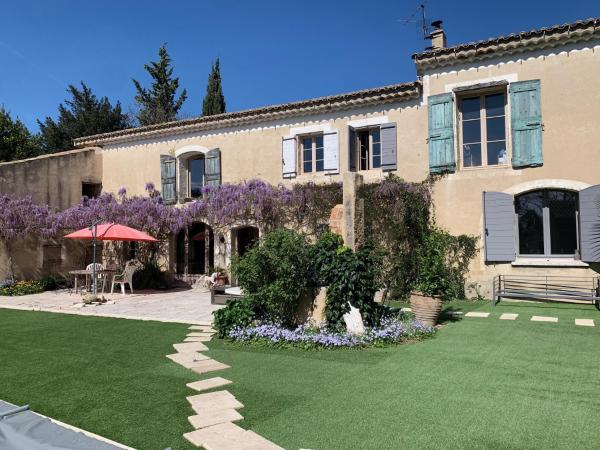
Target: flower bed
x: 391, y: 331
x: 12, y: 288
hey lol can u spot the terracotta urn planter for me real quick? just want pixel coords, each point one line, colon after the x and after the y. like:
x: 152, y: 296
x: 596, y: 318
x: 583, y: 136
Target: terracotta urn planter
x: 425, y: 308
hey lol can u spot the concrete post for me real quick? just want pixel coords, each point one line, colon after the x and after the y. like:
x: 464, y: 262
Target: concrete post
x: 353, y: 217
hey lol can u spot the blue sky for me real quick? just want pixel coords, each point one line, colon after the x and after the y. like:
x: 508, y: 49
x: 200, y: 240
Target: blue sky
x: 271, y: 51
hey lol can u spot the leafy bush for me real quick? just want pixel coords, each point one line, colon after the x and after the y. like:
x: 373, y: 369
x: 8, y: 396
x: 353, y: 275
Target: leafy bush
x: 51, y: 283
x: 237, y: 313
x: 150, y: 276
x: 274, y: 275
x: 442, y: 262
x: 22, y: 288
x: 351, y: 278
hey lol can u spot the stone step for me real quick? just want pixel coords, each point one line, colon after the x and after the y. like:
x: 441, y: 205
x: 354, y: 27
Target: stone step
x: 190, y: 347
x: 211, y: 397
x: 206, y: 328
x: 509, y: 316
x: 585, y: 322
x: 544, y: 319
x: 209, y: 366
x: 228, y: 436
x: 200, y: 334
x: 191, y: 357
x: 477, y: 314
x: 210, y: 405
x: 197, y: 339
x: 207, y: 418
x: 209, y: 383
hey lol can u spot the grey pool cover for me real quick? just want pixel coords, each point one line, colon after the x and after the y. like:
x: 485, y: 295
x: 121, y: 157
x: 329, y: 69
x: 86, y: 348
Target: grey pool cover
x: 30, y: 431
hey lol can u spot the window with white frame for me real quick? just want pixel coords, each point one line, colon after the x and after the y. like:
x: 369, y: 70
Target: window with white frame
x: 482, y: 130
x: 312, y: 153
x: 547, y: 222
x: 368, y: 148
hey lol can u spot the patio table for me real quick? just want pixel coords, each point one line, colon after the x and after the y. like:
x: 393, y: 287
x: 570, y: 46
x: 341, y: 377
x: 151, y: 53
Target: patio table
x: 89, y: 273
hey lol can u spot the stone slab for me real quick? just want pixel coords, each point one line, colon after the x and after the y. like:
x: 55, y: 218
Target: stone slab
x: 206, y: 328
x: 190, y: 347
x: 197, y: 339
x: 405, y: 309
x: 544, y: 319
x: 210, y: 405
x: 214, y: 417
x: 200, y: 334
x: 209, y: 366
x: 477, y: 314
x: 209, y: 383
x: 187, y: 357
x: 585, y: 322
x: 228, y: 436
x: 509, y: 316
x: 210, y: 397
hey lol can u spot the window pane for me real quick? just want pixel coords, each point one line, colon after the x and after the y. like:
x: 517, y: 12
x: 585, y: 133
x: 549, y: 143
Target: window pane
x: 376, y: 155
x: 363, y: 140
x: 496, y: 153
x: 307, y: 143
x: 375, y: 136
x: 494, y: 105
x: 562, y: 207
x: 319, y: 141
x: 529, y: 209
x: 196, y: 168
x: 307, y: 154
x: 376, y: 162
x: 471, y: 131
x: 470, y: 108
x: 495, y: 129
x: 320, y: 166
x: 472, y: 155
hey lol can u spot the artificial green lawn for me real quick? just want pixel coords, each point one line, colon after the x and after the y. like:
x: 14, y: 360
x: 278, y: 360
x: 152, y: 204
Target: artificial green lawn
x: 480, y: 383
x: 107, y: 376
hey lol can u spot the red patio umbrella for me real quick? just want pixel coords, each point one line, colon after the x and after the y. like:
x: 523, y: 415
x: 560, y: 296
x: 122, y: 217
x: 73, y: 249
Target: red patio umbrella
x: 109, y: 232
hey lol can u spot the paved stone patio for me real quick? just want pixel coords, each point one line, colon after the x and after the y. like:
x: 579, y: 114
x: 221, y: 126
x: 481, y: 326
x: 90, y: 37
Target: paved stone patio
x: 191, y: 306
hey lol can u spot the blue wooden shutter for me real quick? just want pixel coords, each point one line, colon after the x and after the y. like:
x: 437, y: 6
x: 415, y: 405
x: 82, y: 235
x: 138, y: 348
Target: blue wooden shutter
x: 167, y: 178
x: 589, y: 224
x: 441, y: 134
x: 526, y: 123
x: 389, y: 154
x: 289, y: 151
x: 331, y: 152
x: 351, y: 149
x: 212, y: 168
x: 499, y: 226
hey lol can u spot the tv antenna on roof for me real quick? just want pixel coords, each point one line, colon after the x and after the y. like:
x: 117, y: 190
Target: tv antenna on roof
x: 422, y: 20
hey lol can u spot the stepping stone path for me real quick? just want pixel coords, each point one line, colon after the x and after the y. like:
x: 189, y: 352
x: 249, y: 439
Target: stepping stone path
x: 544, y: 319
x: 216, y: 410
x: 585, y: 322
x: 477, y: 314
x: 509, y: 316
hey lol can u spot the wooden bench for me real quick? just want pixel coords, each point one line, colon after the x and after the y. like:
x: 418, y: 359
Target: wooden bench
x: 547, y: 288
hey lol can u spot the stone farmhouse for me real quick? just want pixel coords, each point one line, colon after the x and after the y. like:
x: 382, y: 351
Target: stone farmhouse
x: 509, y: 124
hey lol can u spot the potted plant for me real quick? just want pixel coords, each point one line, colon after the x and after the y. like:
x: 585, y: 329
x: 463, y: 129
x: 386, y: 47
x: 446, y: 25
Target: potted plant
x: 431, y: 281
x: 222, y: 277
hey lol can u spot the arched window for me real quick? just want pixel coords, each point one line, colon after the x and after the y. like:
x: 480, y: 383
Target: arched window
x: 196, y: 176
x: 547, y: 222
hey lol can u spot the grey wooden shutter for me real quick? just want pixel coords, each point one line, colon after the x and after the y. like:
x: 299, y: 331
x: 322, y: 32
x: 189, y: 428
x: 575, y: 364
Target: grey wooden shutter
x: 526, y: 124
x: 589, y: 224
x: 289, y: 151
x: 212, y: 168
x: 441, y: 133
x: 498, y: 226
x: 351, y: 149
x: 389, y: 141
x: 331, y: 152
x: 167, y: 178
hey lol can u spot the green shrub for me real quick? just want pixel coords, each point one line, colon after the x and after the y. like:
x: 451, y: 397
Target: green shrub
x: 274, y: 275
x: 51, y: 282
x: 22, y: 288
x: 150, y: 276
x: 351, y: 278
x: 238, y: 313
x: 442, y: 263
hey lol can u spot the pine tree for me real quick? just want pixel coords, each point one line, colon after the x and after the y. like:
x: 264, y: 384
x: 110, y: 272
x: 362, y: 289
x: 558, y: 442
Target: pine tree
x: 81, y: 115
x: 158, y: 104
x: 16, y: 142
x: 214, y: 101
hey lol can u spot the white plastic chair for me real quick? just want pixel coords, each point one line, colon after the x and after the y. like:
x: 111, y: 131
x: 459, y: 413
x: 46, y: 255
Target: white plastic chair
x: 125, y: 278
x: 99, y: 276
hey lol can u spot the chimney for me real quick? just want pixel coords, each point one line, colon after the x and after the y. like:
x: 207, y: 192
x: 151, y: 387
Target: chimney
x: 437, y: 36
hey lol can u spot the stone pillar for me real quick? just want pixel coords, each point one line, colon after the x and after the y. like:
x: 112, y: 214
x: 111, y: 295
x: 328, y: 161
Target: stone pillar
x: 353, y: 217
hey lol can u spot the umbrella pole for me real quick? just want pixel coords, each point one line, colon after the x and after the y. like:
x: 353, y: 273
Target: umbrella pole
x: 94, y: 233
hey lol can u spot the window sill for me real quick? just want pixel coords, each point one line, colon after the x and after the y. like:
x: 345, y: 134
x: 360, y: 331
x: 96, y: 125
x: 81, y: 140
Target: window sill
x: 548, y: 262
x: 490, y: 167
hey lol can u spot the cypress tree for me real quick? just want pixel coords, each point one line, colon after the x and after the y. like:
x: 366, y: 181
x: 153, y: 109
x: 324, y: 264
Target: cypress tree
x: 158, y: 104
x: 214, y: 101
